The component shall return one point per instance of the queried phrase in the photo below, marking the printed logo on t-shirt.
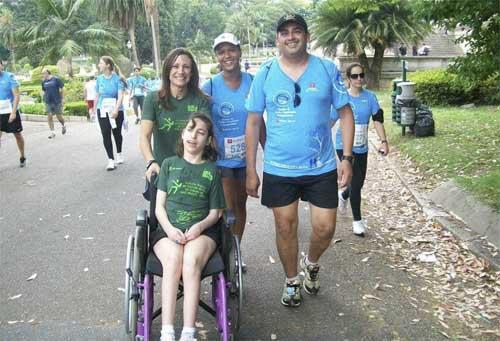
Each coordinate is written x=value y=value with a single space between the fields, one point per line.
x=312 y=88
x=168 y=123
x=207 y=175
x=192 y=108
x=226 y=109
x=338 y=84
x=282 y=98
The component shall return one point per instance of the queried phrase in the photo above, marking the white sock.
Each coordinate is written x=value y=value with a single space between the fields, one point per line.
x=308 y=262
x=167 y=332
x=188 y=332
x=293 y=279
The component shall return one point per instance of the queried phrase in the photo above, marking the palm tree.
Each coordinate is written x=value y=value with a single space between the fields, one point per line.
x=8 y=33
x=153 y=19
x=361 y=25
x=63 y=33
x=123 y=14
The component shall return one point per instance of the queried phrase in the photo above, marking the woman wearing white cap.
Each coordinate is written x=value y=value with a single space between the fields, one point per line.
x=228 y=91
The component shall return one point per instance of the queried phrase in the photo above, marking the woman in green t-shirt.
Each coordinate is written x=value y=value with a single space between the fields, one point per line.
x=189 y=204
x=166 y=111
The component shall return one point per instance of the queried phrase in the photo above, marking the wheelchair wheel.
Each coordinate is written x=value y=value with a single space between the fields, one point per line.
x=236 y=289
x=130 y=306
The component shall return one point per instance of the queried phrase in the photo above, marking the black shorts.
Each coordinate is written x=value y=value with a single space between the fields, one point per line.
x=212 y=232
x=137 y=102
x=239 y=173
x=14 y=127
x=319 y=190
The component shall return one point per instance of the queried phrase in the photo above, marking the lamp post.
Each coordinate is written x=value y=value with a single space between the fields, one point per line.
x=129 y=47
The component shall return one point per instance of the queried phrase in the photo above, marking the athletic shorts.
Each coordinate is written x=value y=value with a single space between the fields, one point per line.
x=239 y=173
x=53 y=108
x=90 y=104
x=138 y=102
x=14 y=127
x=212 y=232
x=319 y=190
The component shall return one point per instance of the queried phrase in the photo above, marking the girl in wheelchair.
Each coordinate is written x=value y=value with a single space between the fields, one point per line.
x=189 y=204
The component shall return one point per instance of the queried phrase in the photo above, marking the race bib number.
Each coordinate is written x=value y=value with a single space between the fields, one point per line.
x=112 y=121
x=5 y=107
x=108 y=105
x=235 y=147
x=360 y=135
x=138 y=92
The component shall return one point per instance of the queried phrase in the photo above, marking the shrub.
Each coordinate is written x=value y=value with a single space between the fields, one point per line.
x=148 y=73
x=73 y=90
x=214 y=69
x=31 y=90
x=442 y=87
x=36 y=73
x=78 y=108
x=33 y=109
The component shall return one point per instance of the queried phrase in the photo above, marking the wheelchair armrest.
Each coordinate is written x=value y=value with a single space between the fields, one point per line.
x=228 y=218
x=141 y=218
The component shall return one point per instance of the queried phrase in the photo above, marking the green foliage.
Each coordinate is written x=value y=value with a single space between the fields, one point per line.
x=36 y=73
x=482 y=22
x=76 y=108
x=73 y=91
x=214 y=70
x=148 y=72
x=442 y=87
x=34 y=91
x=33 y=109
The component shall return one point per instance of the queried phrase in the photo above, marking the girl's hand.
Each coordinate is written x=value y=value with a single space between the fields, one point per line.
x=193 y=233
x=383 y=149
x=176 y=236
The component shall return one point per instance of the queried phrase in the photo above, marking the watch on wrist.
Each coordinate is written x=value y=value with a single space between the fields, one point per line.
x=150 y=162
x=349 y=158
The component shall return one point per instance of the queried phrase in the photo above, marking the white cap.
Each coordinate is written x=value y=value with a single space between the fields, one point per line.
x=226 y=38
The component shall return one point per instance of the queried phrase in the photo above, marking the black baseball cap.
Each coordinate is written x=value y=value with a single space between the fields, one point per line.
x=291 y=17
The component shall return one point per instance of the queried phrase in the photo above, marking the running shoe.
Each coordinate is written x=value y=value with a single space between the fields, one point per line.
x=119 y=159
x=167 y=337
x=111 y=165
x=291 y=294
x=311 y=277
x=359 y=228
x=22 y=162
x=52 y=135
x=342 y=204
x=63 y=130
x=137 y=120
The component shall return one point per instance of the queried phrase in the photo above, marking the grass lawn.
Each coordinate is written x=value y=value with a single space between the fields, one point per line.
x=466 y=147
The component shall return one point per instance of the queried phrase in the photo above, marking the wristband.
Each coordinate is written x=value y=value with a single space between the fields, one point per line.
x=348 y=158
x=150 y=162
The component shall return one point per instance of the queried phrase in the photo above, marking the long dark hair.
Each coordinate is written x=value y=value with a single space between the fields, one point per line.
x=164 y=95
x=113 y=67
x=210 y=151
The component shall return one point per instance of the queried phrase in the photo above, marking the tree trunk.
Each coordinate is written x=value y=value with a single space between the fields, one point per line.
x=13 y=56
x=70 y=66
x=373 y=81
x=131 y=35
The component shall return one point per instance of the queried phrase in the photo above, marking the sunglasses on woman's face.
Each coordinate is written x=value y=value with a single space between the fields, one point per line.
x=356 y=75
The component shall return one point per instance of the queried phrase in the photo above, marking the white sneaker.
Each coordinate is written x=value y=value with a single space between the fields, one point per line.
x=52 y=135
x=111 y=165
x=359 y=228
x=342 y=204
x=119 y=159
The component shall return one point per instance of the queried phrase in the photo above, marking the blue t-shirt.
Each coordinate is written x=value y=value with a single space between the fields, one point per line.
x=8 y=82
x=137 y=85
x=108 y=88
x=299 y=140
x=363 y=106
x=51 y=90
x=229 y=115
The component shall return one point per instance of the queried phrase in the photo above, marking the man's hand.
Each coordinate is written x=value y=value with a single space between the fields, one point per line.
x=383 y=149
x=345 y=173
x=253 y=184
x=154 y=168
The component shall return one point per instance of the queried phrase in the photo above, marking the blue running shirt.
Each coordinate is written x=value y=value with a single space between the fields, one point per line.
x=363 y=106
x=299 y=140
x=137 y=85
x=51 y=90
x=230 y=117
x=108 y=88
x=8 y=82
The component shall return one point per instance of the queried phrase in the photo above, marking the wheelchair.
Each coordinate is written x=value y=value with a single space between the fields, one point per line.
x=224 y=268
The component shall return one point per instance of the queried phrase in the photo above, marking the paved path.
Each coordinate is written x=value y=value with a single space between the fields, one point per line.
x=66 y=219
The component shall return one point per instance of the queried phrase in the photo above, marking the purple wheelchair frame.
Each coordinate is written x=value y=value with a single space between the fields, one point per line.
x=223 y=282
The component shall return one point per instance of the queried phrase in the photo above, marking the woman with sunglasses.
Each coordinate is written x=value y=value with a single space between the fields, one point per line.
x=364 y=105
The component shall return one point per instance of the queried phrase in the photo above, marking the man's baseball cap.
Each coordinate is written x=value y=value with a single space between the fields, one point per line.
x=226 y=38
x=291 y=17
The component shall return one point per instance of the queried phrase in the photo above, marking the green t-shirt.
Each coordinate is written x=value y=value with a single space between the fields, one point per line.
x=192 y=190
x=169 y=124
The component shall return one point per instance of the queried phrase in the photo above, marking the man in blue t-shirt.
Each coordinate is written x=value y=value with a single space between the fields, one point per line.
x=53 y=97
x=10 y=120
x=298 y=91
x=137 y=86
x=228 y=91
